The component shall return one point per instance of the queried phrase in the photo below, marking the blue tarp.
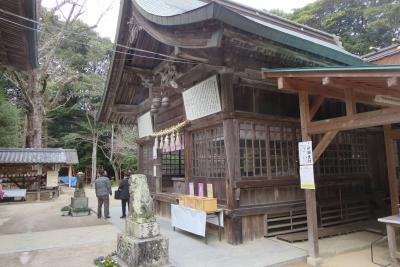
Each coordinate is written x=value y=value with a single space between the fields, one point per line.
x=65 y=180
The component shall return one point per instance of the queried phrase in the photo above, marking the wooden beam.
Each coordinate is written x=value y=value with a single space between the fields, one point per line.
x=124 y=108
x=391 y=168
x=350 y=102
x=199 y=73
x=316 y=105
x=392 y=82
x=285 y=84
x=323 y=144
x=356 y=121
x=311 y=203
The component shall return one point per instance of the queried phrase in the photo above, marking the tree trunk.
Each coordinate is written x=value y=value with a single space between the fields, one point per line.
x=45 y=133
x=94 y=159
x=116 y=171
x=36 y=114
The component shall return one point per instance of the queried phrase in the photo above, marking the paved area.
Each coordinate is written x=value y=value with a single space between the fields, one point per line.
x=342 y=243
x=187 y=250
x=35 y=234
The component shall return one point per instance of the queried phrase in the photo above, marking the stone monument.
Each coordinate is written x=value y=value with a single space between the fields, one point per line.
x=80 y=203
x=142 y=245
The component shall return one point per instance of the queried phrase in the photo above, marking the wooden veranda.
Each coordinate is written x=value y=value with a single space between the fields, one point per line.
x=372 y=98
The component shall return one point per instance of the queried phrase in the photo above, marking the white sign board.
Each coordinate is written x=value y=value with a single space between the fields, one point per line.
x=52 y=179
x=202 y=99
x=307 y=177
x=145 y=125
x=305 y=153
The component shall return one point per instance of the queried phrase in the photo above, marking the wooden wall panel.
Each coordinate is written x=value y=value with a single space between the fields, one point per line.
x=253 y=227
x=269 y=195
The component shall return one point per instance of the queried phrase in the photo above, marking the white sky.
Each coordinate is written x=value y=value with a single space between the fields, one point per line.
x=108 y=24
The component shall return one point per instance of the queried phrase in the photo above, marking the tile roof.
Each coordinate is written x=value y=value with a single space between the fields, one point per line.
x=38 y=156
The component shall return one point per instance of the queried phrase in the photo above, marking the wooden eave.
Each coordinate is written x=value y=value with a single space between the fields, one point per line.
x=352 y=85
x=18 y=44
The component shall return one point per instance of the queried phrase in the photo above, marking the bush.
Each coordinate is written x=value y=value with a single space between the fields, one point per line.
x=108 y=261
x=66 y=208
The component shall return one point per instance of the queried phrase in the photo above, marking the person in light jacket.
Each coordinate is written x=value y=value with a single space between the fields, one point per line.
x=124 y=195
x=103 y=189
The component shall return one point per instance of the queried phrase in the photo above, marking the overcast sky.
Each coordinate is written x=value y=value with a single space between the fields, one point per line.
x=108 y=24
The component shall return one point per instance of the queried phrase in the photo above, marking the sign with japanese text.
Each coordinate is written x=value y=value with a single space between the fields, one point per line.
x=306 y=165
x=305 y=153
x=145 y=125
x=202 y=99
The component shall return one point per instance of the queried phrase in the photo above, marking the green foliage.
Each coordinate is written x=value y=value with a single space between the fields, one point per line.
x=108 y=261
x=10 y=120
x=360 y=24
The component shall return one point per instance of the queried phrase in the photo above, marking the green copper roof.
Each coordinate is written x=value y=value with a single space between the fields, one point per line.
x=180 y=12
x=350 y=68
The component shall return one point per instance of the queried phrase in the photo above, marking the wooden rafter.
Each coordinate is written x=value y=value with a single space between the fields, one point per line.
x=316 y=105
x=323 y=144
x=356 y=121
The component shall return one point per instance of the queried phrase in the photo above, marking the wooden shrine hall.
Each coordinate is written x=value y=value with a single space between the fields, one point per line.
x=190 y=78
x=18 y=44
x=371 y=98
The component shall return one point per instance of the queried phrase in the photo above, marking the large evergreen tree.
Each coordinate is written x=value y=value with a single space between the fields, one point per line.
x=360 y=24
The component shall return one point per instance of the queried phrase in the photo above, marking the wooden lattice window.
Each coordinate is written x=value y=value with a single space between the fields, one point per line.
x=253 y=147
x=208 y=153
x=283 y=150
x=173 y=163
x=268 y=150
x=347 y=154
x=147 y=159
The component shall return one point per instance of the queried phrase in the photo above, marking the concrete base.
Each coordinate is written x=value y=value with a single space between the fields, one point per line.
x=79 y=202
x=142 y=252
x=142 y=230
x=314 y=261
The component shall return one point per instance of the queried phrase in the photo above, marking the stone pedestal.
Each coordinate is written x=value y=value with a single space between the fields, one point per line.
x=143 y=252
x=79 y=203
x=142 y=245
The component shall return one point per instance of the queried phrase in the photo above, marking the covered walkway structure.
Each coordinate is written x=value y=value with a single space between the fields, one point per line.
x=371 y=95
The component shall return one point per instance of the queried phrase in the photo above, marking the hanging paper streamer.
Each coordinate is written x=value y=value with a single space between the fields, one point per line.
x=166 y=144
x=156 y=142
x=172 y=142
x=155 y=147
x=178 y=145
x=161 y=143
x=182 y=142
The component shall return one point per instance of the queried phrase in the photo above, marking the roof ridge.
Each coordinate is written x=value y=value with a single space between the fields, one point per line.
x=280 y=21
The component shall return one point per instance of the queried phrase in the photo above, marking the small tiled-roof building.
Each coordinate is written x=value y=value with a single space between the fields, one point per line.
x=389 y=55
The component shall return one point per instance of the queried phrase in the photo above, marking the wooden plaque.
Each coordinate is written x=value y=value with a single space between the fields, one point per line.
x=202 y=99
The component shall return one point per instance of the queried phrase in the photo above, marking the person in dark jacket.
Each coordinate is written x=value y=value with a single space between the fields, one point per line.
x=103 y=189
x=124 y=195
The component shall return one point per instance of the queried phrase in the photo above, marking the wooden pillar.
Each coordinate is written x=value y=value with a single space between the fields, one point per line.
x=69 y=175
x=391 y=169
x=311 y=203
x=158 y=170
x=233 y=229
x=188 y=158
x=140 y=159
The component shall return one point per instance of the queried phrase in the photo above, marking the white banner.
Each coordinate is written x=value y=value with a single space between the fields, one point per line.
x=190 y=220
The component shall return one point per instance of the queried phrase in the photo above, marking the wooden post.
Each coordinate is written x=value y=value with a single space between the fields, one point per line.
x=69 y=175
x=311 y=205
x=188 y=158
x=233 y=224
x=391 y=169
